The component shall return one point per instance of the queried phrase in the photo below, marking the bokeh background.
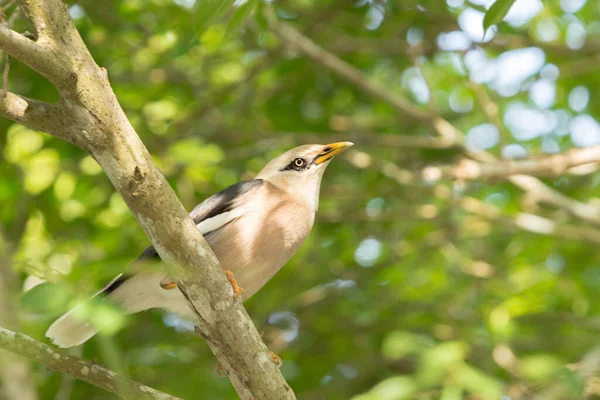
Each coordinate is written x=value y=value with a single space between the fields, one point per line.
x=407 y=288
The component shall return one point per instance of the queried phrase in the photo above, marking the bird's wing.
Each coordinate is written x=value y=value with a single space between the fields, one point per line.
x=209 y=216
x=216 y=211
x=222 y=208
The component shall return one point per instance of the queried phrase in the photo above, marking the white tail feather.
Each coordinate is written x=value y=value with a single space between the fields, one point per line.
x=67 y=331
x=138 y=293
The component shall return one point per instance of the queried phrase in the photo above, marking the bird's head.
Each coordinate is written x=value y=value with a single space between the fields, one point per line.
x=299 y=170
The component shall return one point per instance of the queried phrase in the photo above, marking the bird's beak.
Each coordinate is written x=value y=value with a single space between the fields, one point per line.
x=331 y=150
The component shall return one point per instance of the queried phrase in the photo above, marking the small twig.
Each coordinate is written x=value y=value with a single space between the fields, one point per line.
x=14 y=16
x=416 y=57
x=8 y=5
x=5 y=77
x=530 y=222
x=490 y=109
x=310 y=49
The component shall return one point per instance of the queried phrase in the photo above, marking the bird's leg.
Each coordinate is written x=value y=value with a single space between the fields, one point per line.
x=220 y=370
x=237 y=289
x=276 y=359
x=167 y=283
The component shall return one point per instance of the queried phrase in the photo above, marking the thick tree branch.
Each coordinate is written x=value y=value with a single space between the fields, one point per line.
x=86 y=371
x=96 y=123
x=36 y=54
x=33 y=113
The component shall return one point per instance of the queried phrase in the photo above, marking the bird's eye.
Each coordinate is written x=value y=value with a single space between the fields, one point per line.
x=300 y=162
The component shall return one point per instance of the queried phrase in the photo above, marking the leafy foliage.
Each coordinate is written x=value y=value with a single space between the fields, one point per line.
x=405 y=288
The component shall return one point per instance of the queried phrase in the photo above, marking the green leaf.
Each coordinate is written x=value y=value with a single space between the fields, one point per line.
x=209 y=11
x=46 y=298
x=261 y=21
x=107 y=317
x=240 y=16
x=478 y=382
x=395 y=388
x=541 y=367
x=496 y=13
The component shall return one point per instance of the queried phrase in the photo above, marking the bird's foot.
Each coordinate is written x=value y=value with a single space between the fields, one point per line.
x=276 y=359
x=168 y=284
x=237 y=289
x=220 y=370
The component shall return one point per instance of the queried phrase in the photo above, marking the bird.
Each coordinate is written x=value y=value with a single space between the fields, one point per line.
x=253 y=227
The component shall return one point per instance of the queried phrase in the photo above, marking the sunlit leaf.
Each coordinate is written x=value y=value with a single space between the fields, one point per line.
x=496 y=13
x=437 y=361
x=209 y=11
x=540 y=367
x=46 y=298
x=399 y=344
x=104 y=315
x=240 y=16
x=396 y=388
x=478 y=382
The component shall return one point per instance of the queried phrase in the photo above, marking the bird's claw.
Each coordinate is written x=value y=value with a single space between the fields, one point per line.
x=168 y=283
x=220 y=370
x=237 y=289
x=276 y=359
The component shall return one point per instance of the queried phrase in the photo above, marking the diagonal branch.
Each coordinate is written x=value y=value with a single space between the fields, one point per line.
x=313 y=51
x=86 y=371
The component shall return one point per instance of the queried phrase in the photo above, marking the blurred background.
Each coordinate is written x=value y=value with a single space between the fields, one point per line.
x=411 y=285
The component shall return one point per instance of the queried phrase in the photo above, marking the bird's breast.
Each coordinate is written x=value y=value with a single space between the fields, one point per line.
x=258 y=243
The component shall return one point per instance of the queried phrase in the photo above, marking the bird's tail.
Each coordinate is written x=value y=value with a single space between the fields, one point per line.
x=133 y=294
x=65 y=331
x=68 y=331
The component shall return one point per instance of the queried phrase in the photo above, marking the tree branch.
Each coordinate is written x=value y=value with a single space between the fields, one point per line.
x=33 y=113
x=313 y=51
x=86 y=371
x=36 y=54
x=531 y=222
x=553 y=165
x=94 y=121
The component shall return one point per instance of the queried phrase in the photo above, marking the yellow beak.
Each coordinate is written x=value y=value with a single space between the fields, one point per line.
x=332 y=150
